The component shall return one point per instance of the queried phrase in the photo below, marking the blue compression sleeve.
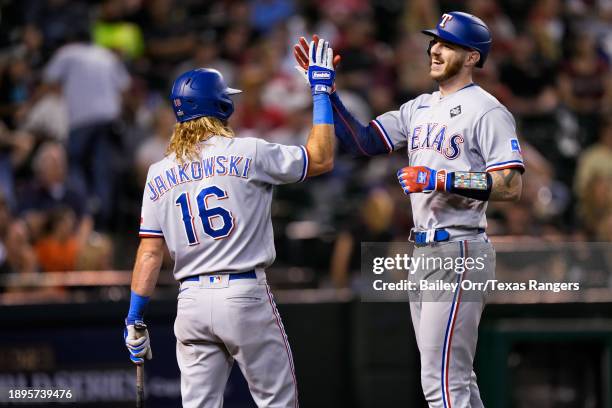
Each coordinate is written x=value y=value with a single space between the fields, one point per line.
x=322 y=110
x=137 y=307
x=354 y=137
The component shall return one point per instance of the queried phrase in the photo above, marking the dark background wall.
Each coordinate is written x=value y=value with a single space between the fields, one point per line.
x=347 y=354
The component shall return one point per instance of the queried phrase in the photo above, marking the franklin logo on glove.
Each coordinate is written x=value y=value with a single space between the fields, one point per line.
x=321 y=75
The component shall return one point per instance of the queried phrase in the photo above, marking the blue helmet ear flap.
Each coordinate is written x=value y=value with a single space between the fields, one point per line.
x=226 y=107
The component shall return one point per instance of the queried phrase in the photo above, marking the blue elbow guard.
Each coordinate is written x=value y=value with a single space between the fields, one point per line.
x=354 y=137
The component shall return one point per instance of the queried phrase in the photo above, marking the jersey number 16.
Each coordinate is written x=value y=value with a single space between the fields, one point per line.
x=207 y=215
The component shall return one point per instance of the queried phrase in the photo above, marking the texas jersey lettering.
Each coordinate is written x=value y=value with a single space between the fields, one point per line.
x=468 y=130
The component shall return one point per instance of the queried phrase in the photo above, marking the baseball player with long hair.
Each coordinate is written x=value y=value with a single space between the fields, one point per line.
x=463 y=152
x=209 y=201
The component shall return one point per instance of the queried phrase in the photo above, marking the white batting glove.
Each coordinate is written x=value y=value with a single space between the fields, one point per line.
x=301 y=52
x=137 y=341
x=321 y=73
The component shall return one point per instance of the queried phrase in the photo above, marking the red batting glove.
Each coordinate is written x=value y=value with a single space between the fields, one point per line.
x=421 y=179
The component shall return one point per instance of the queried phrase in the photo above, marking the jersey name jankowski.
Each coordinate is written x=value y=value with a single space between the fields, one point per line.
x=193 y=171
x=214 y=211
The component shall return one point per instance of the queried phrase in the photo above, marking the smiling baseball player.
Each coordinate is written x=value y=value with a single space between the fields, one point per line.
x=209 y=200
x=463 y=151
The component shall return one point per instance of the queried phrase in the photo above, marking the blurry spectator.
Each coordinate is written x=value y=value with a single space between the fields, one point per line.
x=593 y=183
x=266 y=14
x=14 y=149
x=235 y=42
x=546 y=197
x=48 y=118
x=112 y=31
x=57 y=249
x=546 y=25
x=372 y=223
x=206 y=54
x=419 y=14
x=65 y=247
x=15 y=87
x=358 y=55
x=531 y=95
x=487 y=78
x=31 y=47
x=50 y=190
x=604 y=229
x=96 y=253
x=312 y=19
x=530 y=79
x=411 y=61
x=16 y=253
x=585 y=84
x=518 y=220
x=502 y=29
x=168 y=37
x=341 y=12
x=294 y=101
x=56 y=20
x=153 y=149
x=92 y=80
x=255 y=118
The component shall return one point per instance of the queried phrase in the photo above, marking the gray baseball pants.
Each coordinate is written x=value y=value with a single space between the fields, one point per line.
x=446 y=322
x=220 y=321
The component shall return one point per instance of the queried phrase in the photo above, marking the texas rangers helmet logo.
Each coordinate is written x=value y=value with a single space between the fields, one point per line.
x=445 y=19
x=177 y=102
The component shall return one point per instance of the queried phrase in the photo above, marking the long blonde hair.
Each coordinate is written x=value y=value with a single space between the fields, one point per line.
x=187 y=136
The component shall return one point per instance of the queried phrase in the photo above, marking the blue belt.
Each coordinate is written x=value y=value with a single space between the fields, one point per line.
x=232 y=276
x=440 y=235
x=420 y=238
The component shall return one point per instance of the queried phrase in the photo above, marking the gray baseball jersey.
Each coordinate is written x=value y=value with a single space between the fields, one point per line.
x=214 y=212
x=468 y=130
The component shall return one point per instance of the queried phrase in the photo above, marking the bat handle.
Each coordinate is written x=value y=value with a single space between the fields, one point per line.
x=140 y=385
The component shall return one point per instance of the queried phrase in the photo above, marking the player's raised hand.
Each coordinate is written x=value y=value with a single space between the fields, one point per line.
x=321 y=72
x=421 y=179
x=137 y=341
x=301 y=50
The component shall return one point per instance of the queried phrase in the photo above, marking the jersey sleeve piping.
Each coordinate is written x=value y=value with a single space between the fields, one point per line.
x=143 y=232
x=361 y=149
x=511 y=164
x=305 y=166
x=382 y=133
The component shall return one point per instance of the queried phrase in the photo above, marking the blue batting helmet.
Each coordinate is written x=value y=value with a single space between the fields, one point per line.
x=202 y=92
x=466 y=30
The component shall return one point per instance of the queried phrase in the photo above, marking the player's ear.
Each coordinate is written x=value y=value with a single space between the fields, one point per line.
x=473 y=58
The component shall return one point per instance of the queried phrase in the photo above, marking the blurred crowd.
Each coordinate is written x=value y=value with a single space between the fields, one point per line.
x=84 y=111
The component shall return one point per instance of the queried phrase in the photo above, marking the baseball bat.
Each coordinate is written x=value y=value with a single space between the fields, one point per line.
x=140 y=397
x=140 y=386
